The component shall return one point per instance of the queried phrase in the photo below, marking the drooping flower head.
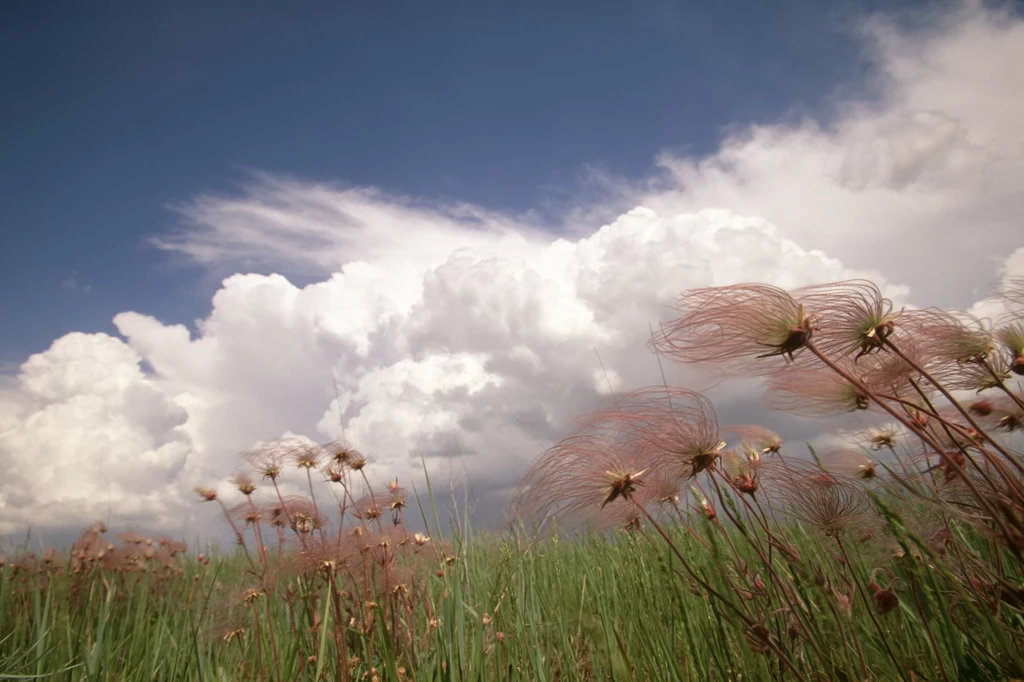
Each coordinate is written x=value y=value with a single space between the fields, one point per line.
x=306 y=455
x=884 y=437
x=763 y=440
x=853 y=317
x=830 y=502
x=734 y=326
x=581 y=476
x=1011 y=336
x=267 y=459
x=814 y=393
x=851 y=462
x=954 y=347
x=679 y=426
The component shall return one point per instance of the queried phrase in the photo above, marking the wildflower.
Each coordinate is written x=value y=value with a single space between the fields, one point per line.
x=795 y=630
x=582 y=474
x=981 y=407
x=420 y=539
x=814 y=393
x=885 y=599
x=853 y=317
x=302 y=515
x=1010 y=420
x=878 y=437
x=660 y=489
x=852 y=462
x=367 y=509
x=130 y=537
x=208 y=494
x=950 y=463
x=251 y=595
x=678 y=426
x=339 y=452
x=267 y=460
x=763 y=441
x=247 y=513
x=397 y=500
x=844 y=602
x=306 y=455
x=741 y=469
x=278 y=519
x=620 y=484
x=950 y=337
x=705 y=508
x=827 y=501
x=324 y=555
x=957 y=350
x=734 y=326
x=244 y=483
x=759 y=638
x=1012 y=338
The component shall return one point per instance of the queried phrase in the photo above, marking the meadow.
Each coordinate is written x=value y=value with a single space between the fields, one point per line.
x=652 y=544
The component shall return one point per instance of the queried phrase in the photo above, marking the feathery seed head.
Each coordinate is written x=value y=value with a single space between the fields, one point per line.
x=208 y=494
x=244 y=483
x=734 y=325
x=853 y=316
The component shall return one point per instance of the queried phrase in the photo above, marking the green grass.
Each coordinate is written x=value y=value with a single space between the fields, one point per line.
x=605 y=607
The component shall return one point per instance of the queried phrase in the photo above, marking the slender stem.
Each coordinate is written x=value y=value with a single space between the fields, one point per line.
x=953 y=401
x=928 y=628
x=946 y=426
x=238 y=535
x=711 y=590
x=863 y=593
x=1001 y=385
x=924 y=436
x=316 y=507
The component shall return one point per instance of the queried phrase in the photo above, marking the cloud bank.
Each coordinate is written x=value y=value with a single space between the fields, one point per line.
x=467 y=340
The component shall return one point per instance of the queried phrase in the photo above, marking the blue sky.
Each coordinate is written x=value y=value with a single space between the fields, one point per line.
x=113 y=112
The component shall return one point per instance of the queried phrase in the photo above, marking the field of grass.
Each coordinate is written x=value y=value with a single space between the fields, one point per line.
x=649 y=547
x=610 y=606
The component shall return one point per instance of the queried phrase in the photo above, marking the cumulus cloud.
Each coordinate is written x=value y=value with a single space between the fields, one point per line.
x=470 y=362
x=922 y=181
x=468 y=340
x=84 y=427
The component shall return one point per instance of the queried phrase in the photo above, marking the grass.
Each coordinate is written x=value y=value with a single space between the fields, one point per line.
x=897 y=560
x=599 y=607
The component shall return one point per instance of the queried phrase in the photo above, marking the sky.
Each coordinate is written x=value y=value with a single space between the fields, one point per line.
x=463 y=219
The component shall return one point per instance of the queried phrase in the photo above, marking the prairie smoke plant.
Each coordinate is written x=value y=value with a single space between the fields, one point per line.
x=832 y=503
x=267 y=460
x=851 y=463
x=762 y=440
x=582 y=474
x=1011 y=337
x=734 y=326
x=814 y=393
x=678 y=428
x=853 y=317
x=948 y=343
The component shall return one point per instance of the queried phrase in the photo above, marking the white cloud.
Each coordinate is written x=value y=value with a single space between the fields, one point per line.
x=485 y=353
x=922 y=182
x=471 y=339
x=83 y=428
